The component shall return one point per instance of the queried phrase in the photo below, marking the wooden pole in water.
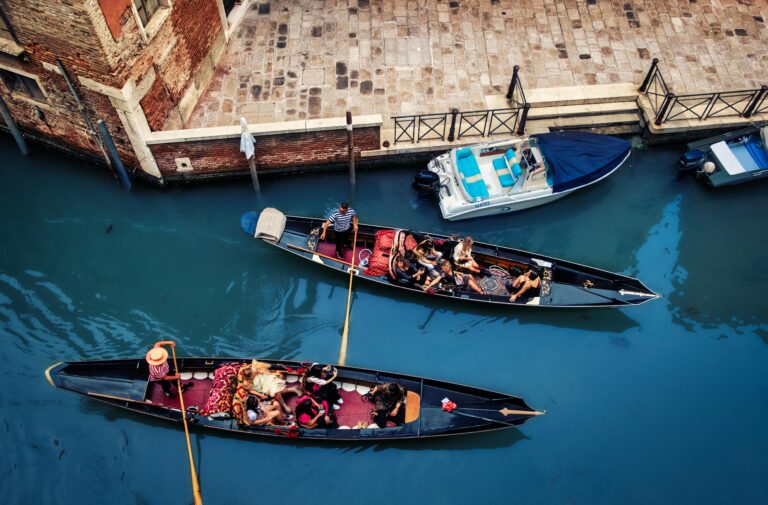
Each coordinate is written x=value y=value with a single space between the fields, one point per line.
x=13 y=128
x=351 y=151
x=345 y=333
x=254 y=174
x=198 y=499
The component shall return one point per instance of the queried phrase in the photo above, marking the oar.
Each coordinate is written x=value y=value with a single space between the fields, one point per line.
x=198 y=499
x=345 y=334
x=337 y=260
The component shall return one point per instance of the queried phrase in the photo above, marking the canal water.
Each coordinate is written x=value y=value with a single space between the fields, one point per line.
x=661 y=403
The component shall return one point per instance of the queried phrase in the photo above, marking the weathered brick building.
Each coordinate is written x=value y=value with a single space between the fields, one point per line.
x=136 y=64
x=140 y=66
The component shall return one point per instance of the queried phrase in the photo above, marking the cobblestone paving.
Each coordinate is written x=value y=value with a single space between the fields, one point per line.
x=304 y=59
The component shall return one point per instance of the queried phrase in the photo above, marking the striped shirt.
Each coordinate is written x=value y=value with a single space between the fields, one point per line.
x=341 y=222
x=157 y=372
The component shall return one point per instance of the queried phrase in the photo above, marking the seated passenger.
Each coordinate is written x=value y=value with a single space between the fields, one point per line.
x=313 y=414
x=459 y=280
x=522 y=284
x=427 y=256
x=388 y=403
x=462 y=256
x=259 y=413
x=267 y=383
x=318 y=383
x=406 y=274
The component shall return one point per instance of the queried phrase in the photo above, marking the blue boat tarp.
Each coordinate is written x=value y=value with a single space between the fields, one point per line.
x=578 y=158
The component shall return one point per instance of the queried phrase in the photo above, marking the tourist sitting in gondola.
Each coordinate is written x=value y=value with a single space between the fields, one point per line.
x=524 y=285
x=450 y=279
x=258 y=413
x=406 y=274
x=271 y=384
x=388 y=403
x=428 y=257
x=462 y=256
x=318 y=383
x=311 y=413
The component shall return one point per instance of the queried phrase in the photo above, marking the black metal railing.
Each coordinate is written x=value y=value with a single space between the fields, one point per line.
x=667 y=106
x=478 y=123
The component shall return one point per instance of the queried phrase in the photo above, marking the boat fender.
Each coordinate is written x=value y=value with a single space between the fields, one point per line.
x=708 y=167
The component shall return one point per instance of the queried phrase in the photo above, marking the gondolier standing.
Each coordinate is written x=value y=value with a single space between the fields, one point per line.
x=159 y=369
x=343 y=219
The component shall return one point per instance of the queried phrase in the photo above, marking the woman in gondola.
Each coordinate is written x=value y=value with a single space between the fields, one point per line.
x=459 y=280
x=388 y=403
x=524 y=284
x=313 y=414
x=318 y=382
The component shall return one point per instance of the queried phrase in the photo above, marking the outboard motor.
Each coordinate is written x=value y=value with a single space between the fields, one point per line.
x=691 y=161
x=427 y=183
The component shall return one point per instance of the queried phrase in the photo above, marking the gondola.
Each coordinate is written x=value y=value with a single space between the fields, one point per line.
x=562 y=283
x=124 y=383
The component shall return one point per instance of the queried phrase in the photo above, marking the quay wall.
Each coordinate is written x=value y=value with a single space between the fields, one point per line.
x=279 y=147
x=134 y=77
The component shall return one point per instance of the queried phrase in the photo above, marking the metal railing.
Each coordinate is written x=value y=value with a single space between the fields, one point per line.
x=667 y=106
x=481 y=123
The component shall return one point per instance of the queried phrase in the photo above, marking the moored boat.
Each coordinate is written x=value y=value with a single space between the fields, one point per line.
x=125 y=383
x=510 y=175
x=562 y=283
x=730 y=158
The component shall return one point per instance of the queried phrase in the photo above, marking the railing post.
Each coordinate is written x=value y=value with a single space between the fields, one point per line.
x=668 y=99
x=513 y=82
x=644 y=86
x=521 y=126
x=753 y=104
x=452 y=130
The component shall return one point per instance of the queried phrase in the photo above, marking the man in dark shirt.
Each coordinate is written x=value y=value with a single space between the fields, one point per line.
x=405 y=274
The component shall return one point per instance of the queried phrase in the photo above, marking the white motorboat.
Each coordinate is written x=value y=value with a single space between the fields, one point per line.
x=505 y=176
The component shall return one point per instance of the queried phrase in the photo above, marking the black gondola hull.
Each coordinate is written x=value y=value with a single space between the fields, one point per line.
x=124 y=383
x=565 y=284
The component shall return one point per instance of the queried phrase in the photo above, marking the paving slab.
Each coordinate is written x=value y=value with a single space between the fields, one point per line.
x=304 y=59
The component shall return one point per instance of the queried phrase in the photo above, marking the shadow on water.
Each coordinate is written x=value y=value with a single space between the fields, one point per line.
x=496 y=439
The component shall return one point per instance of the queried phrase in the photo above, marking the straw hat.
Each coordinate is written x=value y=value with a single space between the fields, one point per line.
x=157 y=356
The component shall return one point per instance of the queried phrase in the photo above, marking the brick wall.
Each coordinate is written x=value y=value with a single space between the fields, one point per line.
x=273 y=152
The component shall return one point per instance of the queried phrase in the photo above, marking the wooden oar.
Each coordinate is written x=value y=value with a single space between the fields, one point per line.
x=337 y=260
x=345 y=334
x=198 y=499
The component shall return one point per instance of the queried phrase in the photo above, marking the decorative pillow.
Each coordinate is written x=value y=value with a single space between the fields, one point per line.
x=385 y=239
x=378 y=263
x=220 y=396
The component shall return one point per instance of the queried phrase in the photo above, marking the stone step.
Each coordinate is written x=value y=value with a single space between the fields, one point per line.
x=571 y=95
x=582 y=122
x=595 y=109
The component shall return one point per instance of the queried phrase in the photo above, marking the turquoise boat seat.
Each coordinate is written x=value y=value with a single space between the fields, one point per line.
x=507 y=169
x=470 y=174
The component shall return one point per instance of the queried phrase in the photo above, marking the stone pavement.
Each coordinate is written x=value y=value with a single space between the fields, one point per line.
x=307 y=59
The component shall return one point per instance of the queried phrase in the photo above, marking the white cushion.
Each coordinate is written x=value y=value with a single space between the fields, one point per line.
x=291 y=378
x=200 y=375
x=363 y=390
x=185 y=376
x=347 y=386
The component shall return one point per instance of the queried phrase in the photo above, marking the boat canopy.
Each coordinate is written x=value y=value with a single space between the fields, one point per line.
x=578 y=158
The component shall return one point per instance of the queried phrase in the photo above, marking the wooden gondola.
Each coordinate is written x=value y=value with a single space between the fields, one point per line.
x=124 y=383
x=562 y=283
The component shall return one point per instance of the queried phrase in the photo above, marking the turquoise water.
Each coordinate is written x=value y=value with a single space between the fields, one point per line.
x=662 y=403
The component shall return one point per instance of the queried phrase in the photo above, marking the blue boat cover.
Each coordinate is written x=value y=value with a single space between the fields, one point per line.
x=578 y=158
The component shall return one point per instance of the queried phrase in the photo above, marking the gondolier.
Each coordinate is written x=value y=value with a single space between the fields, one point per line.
x=343 y=219
x=159 y=369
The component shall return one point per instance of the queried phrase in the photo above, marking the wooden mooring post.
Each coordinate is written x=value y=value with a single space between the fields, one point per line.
x=351 y=150
x=13 y=128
